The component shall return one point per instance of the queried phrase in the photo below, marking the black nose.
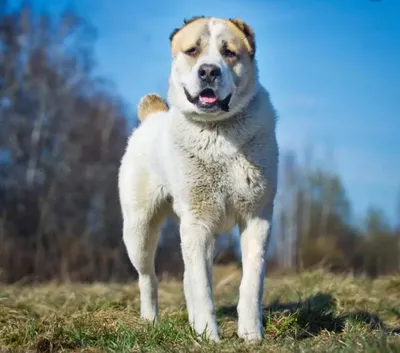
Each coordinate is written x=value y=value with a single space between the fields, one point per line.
x=209 y=72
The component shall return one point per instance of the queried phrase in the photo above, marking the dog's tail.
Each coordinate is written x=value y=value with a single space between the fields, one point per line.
x=150 y=104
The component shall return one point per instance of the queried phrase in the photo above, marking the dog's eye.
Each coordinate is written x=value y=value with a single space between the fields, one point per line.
x=191 y=51
x=229 y=53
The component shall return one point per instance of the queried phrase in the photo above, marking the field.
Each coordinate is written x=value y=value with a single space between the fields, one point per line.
x=311 y=312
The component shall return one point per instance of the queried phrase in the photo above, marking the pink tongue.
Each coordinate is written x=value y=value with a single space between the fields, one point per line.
x=207 y=100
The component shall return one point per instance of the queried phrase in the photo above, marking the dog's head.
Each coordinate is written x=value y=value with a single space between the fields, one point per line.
x=214 y=73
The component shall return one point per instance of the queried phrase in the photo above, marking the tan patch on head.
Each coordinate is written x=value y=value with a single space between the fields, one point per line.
x=189 y=36
x=244 y=34
x=185 y=22
x=192 y=37
x=247 y=34
x=151 y=103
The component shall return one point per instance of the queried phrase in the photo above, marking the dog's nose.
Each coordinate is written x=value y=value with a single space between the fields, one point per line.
x=209 y=72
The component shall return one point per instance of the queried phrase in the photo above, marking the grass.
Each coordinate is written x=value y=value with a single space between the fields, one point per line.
x=311 y=312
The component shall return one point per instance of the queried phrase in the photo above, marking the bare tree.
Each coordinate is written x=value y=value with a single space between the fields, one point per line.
x=63 y=133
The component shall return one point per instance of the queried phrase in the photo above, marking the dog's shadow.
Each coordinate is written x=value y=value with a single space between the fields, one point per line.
x=310 y=317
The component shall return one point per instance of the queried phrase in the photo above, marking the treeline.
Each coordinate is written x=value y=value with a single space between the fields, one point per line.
x=63 y=130
x=315 y=227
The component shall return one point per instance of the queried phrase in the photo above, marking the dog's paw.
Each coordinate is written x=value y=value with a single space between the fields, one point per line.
x=209 y=331
x=149 y=315
x=149 y=104
x=214 y=337
x=211 y=335
x=250 y=332
x=251 y=337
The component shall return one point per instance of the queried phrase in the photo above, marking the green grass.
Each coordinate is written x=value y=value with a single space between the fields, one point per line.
x=312 y=312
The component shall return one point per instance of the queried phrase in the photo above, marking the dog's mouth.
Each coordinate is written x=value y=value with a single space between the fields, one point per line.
x=208 y=101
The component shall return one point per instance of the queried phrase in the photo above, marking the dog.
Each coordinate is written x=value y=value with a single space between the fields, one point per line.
x=210 y=157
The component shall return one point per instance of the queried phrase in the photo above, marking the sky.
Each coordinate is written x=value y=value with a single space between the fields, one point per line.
x=332 y=68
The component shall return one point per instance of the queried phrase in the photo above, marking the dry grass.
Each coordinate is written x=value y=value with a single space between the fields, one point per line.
x=312 y=312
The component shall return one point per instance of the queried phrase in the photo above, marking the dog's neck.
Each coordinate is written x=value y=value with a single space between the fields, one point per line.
x=223 y=137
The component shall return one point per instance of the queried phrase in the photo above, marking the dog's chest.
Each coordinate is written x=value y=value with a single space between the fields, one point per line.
x=223 y=189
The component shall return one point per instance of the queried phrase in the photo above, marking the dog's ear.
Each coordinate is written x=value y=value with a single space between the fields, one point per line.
x=185 y=23
x=248 y=33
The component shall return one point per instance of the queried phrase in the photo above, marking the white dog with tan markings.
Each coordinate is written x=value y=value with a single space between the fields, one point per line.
x=211 y=158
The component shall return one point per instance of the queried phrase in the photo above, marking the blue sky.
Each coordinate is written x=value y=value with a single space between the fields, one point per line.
x=332 y=68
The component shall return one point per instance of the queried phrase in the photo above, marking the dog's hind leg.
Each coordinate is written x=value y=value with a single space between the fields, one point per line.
x=144 y=207
x=143 y=213
x=141 y=239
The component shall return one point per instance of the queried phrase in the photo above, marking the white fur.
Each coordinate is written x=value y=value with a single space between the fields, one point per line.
x=218 y=175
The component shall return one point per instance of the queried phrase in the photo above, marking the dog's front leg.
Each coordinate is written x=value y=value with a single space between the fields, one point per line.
x=255 y=232
x=198 y=250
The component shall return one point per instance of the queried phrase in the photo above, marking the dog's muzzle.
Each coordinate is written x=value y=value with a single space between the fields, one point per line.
x=208 y=102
